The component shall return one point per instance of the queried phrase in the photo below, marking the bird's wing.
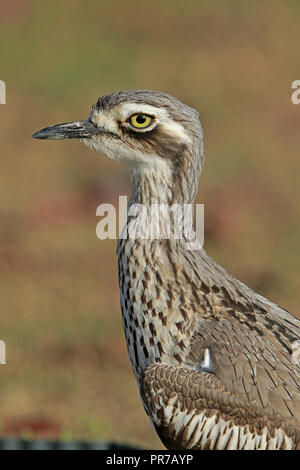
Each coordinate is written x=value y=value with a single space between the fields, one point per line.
x=257 y=368
x=239 y=388
x=195 y=410
x=253 y=344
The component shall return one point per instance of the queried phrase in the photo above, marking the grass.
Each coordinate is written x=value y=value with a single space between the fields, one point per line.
x=67 y=372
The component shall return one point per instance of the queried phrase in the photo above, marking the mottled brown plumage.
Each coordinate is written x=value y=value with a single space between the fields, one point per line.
x=217 y=364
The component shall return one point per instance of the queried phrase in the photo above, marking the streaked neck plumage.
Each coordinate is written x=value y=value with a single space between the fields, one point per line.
x=142 y=261
x=165 y=180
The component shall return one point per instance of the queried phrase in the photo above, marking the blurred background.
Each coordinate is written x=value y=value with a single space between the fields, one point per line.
x=68 y=374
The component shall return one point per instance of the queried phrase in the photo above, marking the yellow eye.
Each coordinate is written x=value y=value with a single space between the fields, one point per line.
x=141 y=121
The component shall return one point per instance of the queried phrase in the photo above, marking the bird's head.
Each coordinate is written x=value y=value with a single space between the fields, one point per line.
x=151 y=131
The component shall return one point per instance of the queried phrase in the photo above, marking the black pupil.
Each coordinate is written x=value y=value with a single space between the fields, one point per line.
x=141 y=119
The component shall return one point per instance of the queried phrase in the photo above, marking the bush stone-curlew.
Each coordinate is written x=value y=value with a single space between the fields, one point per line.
x=217 y=364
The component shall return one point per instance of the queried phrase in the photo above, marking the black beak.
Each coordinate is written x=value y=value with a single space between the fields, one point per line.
x=68 y=130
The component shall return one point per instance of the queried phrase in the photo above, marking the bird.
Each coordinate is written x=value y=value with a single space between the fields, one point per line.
x=217 y=364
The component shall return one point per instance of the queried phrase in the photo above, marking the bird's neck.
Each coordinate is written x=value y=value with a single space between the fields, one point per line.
x=144 y=260
x=162 y=184
x=160 y=206
x=150 y=186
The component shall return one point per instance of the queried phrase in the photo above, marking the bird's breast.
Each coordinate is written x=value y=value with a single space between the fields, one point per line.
x=156 y=323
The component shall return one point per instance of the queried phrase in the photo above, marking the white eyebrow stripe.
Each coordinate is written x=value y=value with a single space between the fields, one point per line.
x=128 y=109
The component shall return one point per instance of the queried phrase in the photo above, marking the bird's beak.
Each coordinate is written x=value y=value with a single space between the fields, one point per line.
x=68 y=130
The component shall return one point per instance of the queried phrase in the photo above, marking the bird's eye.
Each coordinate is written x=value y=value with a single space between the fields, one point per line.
x=141 y=121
